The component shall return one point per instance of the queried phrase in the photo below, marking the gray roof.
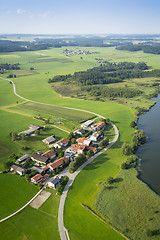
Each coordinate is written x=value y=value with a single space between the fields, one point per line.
x=55 y=181
x=17 y=168
x=39 y=158
x=33 y=126
x=50 y=139
x=23 y=158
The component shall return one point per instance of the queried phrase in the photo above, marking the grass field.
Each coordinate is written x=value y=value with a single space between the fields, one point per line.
x=130 y=205
x=18 y=193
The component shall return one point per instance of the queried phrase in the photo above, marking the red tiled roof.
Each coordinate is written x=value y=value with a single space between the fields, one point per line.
x=37 y=177
x=45 y=168
x=92 y=149
x=57 y=163
x=81 y=140
x=46 y=176
x=64 y=140
x=49 y=153
x=78 y=147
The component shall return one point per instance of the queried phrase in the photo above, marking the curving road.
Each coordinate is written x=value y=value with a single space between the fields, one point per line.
x=62 y=230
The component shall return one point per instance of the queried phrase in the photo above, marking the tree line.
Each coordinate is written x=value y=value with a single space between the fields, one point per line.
x=105 y=74
x=146 y=48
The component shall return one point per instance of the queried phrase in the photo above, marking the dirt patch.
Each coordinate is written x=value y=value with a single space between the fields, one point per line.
x=40 y=54
x=40 y=199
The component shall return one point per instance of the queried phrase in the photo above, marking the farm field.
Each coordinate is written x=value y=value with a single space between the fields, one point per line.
x=15 y=196
x=87 y=184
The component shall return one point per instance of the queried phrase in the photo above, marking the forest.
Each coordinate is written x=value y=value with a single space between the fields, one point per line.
x=146 y=48
x=106 y=73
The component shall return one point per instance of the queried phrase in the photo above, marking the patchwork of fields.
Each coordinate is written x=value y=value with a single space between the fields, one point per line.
x=82 y=224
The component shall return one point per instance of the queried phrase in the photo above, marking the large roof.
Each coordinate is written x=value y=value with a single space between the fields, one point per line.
x=78 y=147
x=39 y=158
x=49 y=153
x=37 y=177
x=57 y=163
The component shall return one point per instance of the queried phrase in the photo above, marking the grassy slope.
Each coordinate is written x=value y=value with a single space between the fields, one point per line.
x=124 y=206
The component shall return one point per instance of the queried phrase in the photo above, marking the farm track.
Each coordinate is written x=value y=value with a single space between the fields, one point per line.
x=62 y=230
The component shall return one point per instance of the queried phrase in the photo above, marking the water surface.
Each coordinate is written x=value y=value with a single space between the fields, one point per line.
x=149 y=153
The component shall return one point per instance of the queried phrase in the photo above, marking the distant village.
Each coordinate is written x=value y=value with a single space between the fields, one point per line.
x=43 y=168
x=68 y=52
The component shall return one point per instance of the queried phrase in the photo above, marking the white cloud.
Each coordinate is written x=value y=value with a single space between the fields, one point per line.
x=45 y=14
x=20 y=11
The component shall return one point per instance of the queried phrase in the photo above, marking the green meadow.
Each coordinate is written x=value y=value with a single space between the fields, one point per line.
x=80 y=222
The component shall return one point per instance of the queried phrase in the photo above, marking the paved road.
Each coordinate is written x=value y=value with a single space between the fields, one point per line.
x=62 y=230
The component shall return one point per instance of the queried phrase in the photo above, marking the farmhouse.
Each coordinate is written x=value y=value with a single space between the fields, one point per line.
x=39 y=159
x=23 y=158
x=98 y=126
x=49 y=140
x=49 y=154
x=17 y=169
x=31 y=130
x=95 y=136
x=54 y=183
x=84 y=141
x=57 y=163
x=78 y=148
x=92 y=149
x=61 y=143
x=37 y=179
x=79 y=131
x=87 y=124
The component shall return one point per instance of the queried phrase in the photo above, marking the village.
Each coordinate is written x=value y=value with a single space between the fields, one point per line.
x=69 y=52
x=43 y=169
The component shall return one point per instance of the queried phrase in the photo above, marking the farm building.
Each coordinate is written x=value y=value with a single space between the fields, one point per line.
x=95 y=136
x=61 y=143
x=54 y=183
x=23 y=158
x=79 y=131
x=39 y=159
x=49 y=140
x=78 y=148
x=87 y=124
x=17 y=169
x=37 y=179
x=31 y=130
x=49 y=154
x=84 y=141
x=98 y=126
x=57 y=163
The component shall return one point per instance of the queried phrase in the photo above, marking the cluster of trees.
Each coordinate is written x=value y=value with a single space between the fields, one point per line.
x=9 y=66
x=77 y=162
x=130 y=163
x=105 y=74
x=11 y=76
x=112 y=92
x=139 y=138
x=146 y=48
x=104 y=142
x=61 y=186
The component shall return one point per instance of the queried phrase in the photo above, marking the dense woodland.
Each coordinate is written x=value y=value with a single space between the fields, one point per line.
x=146 y=48
x=105 y=74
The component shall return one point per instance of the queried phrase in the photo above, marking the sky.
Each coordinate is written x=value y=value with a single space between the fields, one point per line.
x=80 y=16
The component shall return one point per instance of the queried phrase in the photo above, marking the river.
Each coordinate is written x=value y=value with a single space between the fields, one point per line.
x=149 y=153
